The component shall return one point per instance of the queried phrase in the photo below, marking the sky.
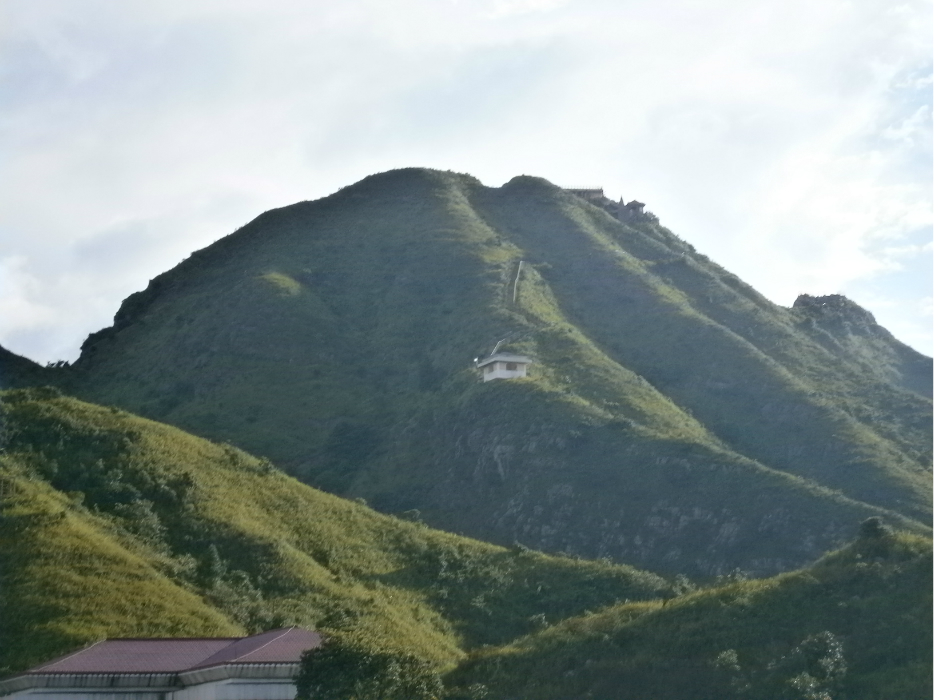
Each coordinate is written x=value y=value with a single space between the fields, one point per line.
x=788 y=141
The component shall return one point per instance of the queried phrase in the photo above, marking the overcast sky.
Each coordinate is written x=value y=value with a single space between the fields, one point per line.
x=788 y=140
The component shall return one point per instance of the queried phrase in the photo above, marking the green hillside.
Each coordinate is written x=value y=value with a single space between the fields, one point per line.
x=674 y=418
x=113 y=525
x=855 y=625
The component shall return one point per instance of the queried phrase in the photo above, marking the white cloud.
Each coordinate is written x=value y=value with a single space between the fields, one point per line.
x=18 y=290
x=505 y=8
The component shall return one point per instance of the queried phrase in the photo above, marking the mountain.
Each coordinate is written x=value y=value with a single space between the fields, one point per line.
x=854 y=625
x=113 y=525
x=674 y=418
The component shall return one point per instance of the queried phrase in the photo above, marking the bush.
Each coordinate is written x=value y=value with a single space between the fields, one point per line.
x=346 y=668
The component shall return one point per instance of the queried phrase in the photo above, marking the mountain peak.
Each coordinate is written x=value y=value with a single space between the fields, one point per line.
x=335 y=337
x=407 y=181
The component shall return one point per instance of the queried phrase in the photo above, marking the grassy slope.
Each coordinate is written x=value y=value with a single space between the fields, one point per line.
x=668 y=398
x=17 y=371
x=69 y=577
x=568 y=478
x=115 y=525
x=739 y=640
x=720 y=350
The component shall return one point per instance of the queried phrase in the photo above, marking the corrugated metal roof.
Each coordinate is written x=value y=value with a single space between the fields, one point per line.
x=275 y=646
x=176 y=655
x=137 y=656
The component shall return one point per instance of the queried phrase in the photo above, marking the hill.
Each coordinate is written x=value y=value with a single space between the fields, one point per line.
x=17 y=371
x=113 y=525
x=855 y=625
x=674 y=419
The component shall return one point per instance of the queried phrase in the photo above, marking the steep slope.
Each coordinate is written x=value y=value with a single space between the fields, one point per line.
x=68 y=577
x=675 y=418
x=17 y=371
x=852 y=332
x=716 y=347
x=855 y=625
x=112 y=525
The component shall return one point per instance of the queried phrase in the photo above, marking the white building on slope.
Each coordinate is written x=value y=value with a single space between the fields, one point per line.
x=503 y=365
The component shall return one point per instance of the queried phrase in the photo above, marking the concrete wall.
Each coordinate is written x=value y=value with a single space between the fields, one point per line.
x=227 y=689
x=497 y=370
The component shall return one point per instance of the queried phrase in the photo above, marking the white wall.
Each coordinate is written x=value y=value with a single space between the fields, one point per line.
x=500 y=372
x=237 y=689
x=227 y=689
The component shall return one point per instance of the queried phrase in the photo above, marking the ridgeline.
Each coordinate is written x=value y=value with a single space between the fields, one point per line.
x=674 y=418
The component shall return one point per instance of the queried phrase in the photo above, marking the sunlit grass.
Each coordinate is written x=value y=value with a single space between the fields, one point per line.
x=116 y=525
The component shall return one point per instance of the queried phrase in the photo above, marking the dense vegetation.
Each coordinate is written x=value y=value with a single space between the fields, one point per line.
x=675 y=419
x=113 y=525
x=855 y=625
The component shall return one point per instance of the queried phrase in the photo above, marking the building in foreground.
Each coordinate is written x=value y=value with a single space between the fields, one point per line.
x=259 y=667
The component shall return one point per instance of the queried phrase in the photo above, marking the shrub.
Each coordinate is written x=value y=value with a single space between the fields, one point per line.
x=346 y=668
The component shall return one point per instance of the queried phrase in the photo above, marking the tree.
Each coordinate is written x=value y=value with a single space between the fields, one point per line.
x=874 y=529
x=812 y=670
x=347 y=668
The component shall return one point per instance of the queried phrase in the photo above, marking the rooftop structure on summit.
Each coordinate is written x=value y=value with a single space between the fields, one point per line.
x=504 y=365
x=258 y=667
x=623 y=211
x=588 y=193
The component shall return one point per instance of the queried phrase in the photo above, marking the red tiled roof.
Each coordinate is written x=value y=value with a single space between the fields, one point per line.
x=176 y=655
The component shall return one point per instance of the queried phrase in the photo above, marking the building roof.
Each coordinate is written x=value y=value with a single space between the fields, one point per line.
x=275 y=646
x=505 y=357
x=177 y=655
x=136 y=656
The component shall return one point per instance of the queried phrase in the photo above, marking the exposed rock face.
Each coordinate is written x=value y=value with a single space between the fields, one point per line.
x=836 y=311
x=846 y=328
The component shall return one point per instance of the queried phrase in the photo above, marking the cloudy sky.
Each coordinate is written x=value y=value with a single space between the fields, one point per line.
x=790 y=141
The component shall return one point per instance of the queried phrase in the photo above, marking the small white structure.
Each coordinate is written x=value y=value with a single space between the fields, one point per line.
x=504 y=365
x=259 y=667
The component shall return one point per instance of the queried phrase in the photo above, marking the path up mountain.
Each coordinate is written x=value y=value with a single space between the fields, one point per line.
x=674 y=418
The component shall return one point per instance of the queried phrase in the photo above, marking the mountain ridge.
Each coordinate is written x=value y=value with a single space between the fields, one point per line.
x=335 y=337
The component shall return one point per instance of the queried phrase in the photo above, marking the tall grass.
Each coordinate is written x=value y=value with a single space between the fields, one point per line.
x=114 y=525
